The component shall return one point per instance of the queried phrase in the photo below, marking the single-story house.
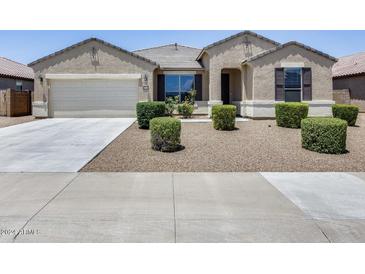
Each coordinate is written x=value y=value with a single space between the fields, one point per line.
x=349 y=79
x=15 y=76
x=97 y=79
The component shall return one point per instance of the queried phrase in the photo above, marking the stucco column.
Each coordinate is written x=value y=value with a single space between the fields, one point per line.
x=243 y=91
x=214 y=89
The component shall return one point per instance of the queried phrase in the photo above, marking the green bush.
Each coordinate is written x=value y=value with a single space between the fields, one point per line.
x=346 y=112
x=185 y=109
x=325 y=135
x=147 y=111
x=171 y=104
x=165 y=134
x=224 y=117
x=290 y=114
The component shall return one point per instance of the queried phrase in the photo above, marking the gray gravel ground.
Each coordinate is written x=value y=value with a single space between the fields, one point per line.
x=254 y=146
x=10 y=121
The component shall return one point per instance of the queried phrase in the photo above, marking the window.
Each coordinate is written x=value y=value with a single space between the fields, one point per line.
x=293 y=84
x=178 y=85
x=18 y=85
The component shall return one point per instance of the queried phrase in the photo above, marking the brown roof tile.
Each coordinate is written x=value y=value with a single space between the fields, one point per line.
x=172 y=56
x=349 y=65
x=14 y=69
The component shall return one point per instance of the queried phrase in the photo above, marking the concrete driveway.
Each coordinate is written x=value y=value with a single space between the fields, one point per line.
x=182 y=207
x=56 y=145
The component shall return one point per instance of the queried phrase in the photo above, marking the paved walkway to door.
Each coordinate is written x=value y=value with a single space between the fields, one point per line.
x=182 y=207
x=57 y=145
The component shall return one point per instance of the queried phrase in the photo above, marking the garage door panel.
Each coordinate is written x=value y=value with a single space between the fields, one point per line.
x=93 y=98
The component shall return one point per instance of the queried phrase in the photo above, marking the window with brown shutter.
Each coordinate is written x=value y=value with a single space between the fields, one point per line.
x=307 y=84
x=279 y=84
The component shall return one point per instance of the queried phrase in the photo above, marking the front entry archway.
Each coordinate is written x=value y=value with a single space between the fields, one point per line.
x=231 y=87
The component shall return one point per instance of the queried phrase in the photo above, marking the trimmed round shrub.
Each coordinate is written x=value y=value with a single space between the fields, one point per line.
x=165 y=134
x=290 y=114
x=185 y=109
x=147 y=111
x=324 y=135
x=346 y=112
x=224 y=117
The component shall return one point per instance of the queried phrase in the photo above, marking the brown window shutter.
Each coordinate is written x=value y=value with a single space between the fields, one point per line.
x=160 y=87
x=279 y=84
x=198 y=87
x=307 y=84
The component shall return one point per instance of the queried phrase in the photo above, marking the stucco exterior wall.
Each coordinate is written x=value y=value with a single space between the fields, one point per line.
x=78 y=60
x=264 y=72
x=341 y=96
x=205 y=62
x=356 y=86
x=230 y=54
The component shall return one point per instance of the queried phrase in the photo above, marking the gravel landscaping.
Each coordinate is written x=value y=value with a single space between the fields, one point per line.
x=10 y=121
x=254 y=146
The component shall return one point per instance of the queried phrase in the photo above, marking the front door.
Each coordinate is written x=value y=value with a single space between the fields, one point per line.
x=225 y=88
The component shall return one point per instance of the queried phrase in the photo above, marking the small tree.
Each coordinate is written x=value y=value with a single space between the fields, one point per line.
x=171 y=104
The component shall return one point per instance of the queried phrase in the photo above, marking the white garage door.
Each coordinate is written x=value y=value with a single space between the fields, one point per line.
x=93 y=98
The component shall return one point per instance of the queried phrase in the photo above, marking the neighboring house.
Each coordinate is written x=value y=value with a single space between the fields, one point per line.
x=349 y=74
x=15 y=76
x=96 y=79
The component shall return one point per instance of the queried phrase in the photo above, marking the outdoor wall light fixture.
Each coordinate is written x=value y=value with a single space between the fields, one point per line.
x=145 y=78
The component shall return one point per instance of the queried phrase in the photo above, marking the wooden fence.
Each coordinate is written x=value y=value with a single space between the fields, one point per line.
x=15 y=103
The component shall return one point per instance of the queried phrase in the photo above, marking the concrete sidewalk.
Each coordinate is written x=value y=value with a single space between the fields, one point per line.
x=182 y=207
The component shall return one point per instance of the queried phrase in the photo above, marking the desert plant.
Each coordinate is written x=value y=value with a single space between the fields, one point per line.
x=325 y=135
x=147 y=111
x=290 y=114
x=185 y=109
x=165 y=134
x=190 y=97
x=346 y=112
x=171 y=104
x=224 y=117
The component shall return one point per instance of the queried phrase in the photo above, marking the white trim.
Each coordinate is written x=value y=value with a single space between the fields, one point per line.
x=320 y=102
x=266 y=108
x=270 y=102
x=69 y=76
x=292 y=64
x=40 y=109
x=180 y=72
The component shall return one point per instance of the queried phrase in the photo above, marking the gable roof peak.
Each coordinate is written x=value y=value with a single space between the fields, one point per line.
x=87 y=41
x=239 y=34
x=290 y=43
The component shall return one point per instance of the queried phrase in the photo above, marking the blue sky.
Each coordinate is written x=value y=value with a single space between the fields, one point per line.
x=27 y=46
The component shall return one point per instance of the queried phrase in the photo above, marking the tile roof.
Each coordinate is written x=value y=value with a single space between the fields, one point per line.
x=172 y=56
x=14 y=69
x=291 y=43
x=242 y=33
x=87 y=41
x=349 y=65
